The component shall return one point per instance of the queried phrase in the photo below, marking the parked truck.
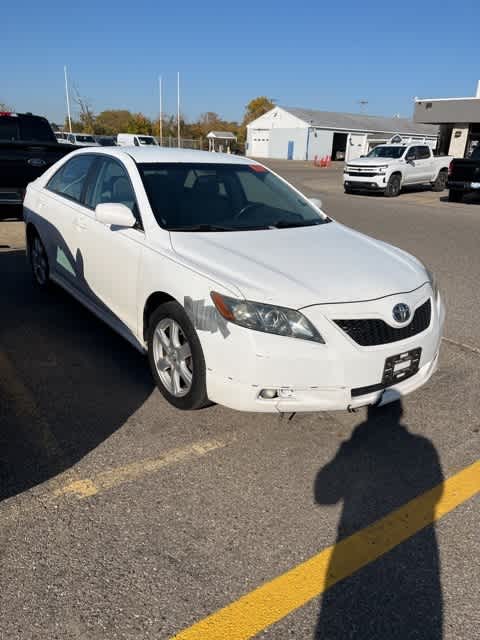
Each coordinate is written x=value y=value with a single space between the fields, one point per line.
x=389 y=167
x=28 y=147
x=464 y=176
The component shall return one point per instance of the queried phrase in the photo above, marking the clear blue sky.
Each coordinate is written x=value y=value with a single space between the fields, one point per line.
x=322 y=54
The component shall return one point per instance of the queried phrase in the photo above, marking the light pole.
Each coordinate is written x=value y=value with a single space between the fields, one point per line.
x=68 y=100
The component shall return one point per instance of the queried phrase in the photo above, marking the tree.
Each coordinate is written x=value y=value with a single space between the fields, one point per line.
x=87 y=117
x=113 y=121
x=256 y=108
x=140 y=124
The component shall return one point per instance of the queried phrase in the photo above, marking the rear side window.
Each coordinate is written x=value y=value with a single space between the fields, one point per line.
x=29 y=128
x=69 y=180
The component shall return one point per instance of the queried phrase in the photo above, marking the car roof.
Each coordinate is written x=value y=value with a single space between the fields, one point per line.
x=162 y=154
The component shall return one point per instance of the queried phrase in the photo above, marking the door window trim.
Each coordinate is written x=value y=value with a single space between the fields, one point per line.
x=139 y=226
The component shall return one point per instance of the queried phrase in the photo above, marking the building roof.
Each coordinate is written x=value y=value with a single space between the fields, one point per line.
x=223 y=135
x=361 y=122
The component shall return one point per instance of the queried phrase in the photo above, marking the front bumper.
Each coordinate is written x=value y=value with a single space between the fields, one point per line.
x=319 y=377
x=377 y=182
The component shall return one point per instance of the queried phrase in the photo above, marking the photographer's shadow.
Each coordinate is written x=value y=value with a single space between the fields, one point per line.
x=398 y=596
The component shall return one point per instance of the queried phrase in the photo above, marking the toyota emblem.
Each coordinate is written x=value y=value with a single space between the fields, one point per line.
x=401 y=312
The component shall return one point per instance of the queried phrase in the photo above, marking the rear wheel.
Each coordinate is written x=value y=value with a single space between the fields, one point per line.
x=393 y=187
x=38 y=261
x=455 y=196
x=176 y=358
x=441 y=181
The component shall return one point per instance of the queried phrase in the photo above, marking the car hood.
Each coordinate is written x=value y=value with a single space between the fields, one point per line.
x=372 y=162
x=301 y=266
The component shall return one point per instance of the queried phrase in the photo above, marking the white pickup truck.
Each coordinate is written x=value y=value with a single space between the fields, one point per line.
x=389 y=167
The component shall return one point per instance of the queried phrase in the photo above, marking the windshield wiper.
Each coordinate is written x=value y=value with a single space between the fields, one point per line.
x=202 y=227
x=286 y=224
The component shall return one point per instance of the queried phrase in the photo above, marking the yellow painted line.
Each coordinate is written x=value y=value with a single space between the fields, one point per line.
x=84 y=488
x=274 y=600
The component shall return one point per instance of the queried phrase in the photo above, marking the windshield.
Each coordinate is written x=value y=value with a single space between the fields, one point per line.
x=223 y=197
x=476 y=153
x=146 y=140
x=387 y=152
x=85 y=139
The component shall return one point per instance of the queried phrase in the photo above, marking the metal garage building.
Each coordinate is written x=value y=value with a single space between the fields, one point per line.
x=302 y=134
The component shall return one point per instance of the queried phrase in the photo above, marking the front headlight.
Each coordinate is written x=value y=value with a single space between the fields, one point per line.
x=266 y=317
x=433 y=283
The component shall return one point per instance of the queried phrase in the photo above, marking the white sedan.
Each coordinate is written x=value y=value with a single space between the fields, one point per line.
x=242 y=291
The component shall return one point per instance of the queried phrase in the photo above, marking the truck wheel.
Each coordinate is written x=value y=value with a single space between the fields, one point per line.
x=441 y=181
x=176 y=358
x=455 y=196
x=393 y=187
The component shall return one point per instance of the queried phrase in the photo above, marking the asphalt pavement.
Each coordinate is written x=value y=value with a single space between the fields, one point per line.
x=122 y=518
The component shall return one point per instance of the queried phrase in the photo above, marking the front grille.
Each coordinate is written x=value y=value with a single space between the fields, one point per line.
x=368 y=333
x=362 y=174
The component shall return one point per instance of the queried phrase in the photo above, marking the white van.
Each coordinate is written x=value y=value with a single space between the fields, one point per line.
x=134 y=139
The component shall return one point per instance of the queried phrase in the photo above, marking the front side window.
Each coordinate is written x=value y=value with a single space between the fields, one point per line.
x=111 y=184
x=223 y=197
x=423 y=153
x=69 y=180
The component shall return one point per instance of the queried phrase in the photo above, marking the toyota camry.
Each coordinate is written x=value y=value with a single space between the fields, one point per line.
x=240 y=289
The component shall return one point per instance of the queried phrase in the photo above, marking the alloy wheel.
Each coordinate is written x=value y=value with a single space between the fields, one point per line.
x=173 y=357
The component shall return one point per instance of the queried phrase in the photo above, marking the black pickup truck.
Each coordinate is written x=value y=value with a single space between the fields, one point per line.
x=27 y=148
x=464 y=176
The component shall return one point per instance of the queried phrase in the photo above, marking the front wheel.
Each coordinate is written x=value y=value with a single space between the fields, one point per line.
x=38 y=261
x=441 y=181
x=176 y=358
x=455 y=196
x=393 y=187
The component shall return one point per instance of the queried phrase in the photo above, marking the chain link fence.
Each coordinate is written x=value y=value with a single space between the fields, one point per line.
x=185 y=143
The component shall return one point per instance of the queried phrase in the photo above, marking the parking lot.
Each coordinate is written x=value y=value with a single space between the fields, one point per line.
x=124 y=518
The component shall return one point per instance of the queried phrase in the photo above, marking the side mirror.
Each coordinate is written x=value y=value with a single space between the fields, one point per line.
x=114 y=213
x=409 y=158
x=316 y=202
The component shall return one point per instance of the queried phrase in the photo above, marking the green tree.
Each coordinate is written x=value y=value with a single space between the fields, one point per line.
x=113 y=121
x=256 y=108
x=139 y=123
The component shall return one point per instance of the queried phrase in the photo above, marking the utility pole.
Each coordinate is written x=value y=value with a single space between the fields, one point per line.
x=68 y=100
x=160 y=121
x=178 y=108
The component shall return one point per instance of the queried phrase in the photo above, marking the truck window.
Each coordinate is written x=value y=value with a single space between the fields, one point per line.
x=423 y=153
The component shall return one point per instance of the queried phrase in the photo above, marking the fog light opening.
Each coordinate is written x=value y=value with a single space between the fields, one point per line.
x=268 y=394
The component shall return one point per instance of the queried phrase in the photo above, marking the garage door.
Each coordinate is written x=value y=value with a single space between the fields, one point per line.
x=260 y=141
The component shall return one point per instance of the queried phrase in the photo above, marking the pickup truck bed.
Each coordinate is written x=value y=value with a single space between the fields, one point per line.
x=27 y=148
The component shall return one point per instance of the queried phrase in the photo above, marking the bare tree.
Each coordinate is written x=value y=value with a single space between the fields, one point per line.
x=87 y=117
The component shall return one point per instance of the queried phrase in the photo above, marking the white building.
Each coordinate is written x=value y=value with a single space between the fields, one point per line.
x=302 y=134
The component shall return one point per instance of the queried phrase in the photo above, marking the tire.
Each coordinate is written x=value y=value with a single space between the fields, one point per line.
x=394 y=186
x=455 y=196
x=176 y=358
x=38 y=261
x=441 y=181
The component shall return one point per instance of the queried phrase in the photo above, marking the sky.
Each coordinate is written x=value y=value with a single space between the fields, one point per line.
x=318 y=55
